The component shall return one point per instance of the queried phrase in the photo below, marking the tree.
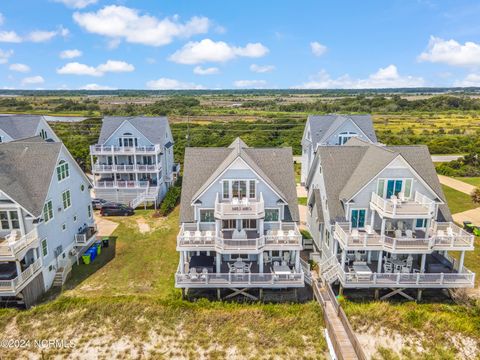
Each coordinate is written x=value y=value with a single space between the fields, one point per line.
x=475 y=195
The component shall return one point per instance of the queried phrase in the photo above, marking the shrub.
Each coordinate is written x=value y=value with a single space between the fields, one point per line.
x=171 y=199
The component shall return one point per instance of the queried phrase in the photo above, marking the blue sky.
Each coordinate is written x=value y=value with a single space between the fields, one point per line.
x=126 y=44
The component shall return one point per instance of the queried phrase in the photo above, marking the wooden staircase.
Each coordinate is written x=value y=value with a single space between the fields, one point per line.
x=64 y=269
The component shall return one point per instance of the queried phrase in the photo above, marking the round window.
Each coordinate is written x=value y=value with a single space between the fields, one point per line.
x=82 y=187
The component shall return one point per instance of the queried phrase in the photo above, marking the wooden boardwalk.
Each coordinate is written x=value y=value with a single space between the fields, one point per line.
x=344 y=341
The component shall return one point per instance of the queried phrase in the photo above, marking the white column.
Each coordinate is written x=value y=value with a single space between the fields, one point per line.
x=380 y=260
x=335 y=246
x=297 y=261
x=462 y=259
x=218 y=262
x=182 y=262
x=344 y=257
x=19 y=268
x=382 y=231
x=372 y=218
x=369 y=257
x=260 y=262
x=261 y=227
x=422 y=264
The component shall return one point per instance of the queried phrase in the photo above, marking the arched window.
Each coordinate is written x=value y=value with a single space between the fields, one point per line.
x=343 y=137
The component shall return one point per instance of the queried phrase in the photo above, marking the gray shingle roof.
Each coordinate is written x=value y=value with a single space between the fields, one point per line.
x=27 y=169
x=348 y=168
x=20 y=126
x=203 y=165
x=153 y=128
x=322 y=126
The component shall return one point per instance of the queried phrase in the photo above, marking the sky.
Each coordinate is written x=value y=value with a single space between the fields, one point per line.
x=217 y=44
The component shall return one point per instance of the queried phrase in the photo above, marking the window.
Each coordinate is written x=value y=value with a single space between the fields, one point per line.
x=249 y=224
x=64 y=227
x=75 y=218
x=271 y=214
x=408 y=188
x=358 y=218
x=343 y=137
x=48 y=211
x=421 y=223
x=1 y=139
x=381 y=187
x=43 y=134
x=82 y=187
x=239 y=188
x=226 y=188
x=9 y=220
x=67 y=201
x=62 y=171
x=207 y=216
x=236 y=256
x=251 y=189
x=229 y=224
x=44 y=247
x=89 y=210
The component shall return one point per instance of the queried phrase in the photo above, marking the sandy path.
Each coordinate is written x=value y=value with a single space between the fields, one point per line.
x=105 y=227
x=456 y=184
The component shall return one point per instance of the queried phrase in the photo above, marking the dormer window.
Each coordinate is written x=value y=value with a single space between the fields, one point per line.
x=343 y=137
x=63 y=171
x=43 y=134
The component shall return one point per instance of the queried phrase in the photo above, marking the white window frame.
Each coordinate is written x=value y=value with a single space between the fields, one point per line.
x=404 y=182
x=68 y=199
x=65 y=171
x=64 y=227
x=9 y=219
x=272 y=221
x=44 y=213
x=344 y=136
x=358 y=209
x=44 y=241
x=200 y=215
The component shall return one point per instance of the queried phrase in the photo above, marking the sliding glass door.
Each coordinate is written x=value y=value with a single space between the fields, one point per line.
x=393 y=187
x=358 y=218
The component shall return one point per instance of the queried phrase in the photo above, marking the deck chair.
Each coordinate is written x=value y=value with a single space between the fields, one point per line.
x=248 y=267
x=450 y=231
x=187 y=236
x=400 y=225
x=235 y=201
x=358 y=256
x=388 y=226
x=198 y=236
x=266 y=258
x=369 y=229
x=355 y=236
x=401 y=196
x=398 y=233
x=231 y=268
x=193 y=274
x=208 y=236
x=409 y=233
x=286 y=256
x=281 y=235
x=388 y=267
x=410 y=261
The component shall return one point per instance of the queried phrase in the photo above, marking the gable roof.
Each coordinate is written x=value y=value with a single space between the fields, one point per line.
x=346 y=169
x=203 y=165
x=27 y=170
x=20 y=126
x=153 y=128
x=323 y=126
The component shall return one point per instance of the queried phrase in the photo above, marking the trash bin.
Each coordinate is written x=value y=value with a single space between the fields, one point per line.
x=98 y=245
x=93 y=253
x=86 y=258
x=476 y=230
x=105 y=241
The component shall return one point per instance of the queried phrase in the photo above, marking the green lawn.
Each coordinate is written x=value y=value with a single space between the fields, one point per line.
x=302 y=201
x=124 y=305
x=475 y=181
x=457 y=200
x=298 y=172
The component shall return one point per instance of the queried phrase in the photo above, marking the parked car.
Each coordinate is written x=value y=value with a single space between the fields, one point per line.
x=115 y=209
x=98 y=203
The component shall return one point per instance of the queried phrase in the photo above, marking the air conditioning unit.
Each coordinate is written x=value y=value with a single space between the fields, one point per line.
x=73 y=252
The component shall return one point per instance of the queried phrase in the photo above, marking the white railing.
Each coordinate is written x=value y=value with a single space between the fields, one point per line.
x=11 y=248
x=84 y=237
x=103 y=168
x=239 y=208
x=109 y=149
x=12 y=285
x=442 y=236
x=127 y=168
x=121 y=184
x=420 y=205
x=239 y=279
x=286 y=234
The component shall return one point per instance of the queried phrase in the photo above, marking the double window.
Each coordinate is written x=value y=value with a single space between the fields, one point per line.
x=249 y=224
x=66 y=199
x=207 y=216
x=272 y=215
x=357 y=218
x=63 y=171
x=127 y=140
x=343 y=137
x=9 y=220
x=48 y=211
x=239 y=189
x=43 y=134
x=229 y=224
x=386 y=188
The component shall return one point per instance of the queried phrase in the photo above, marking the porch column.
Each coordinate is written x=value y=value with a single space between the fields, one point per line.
x=260 y=262
x=19 y=268
x=372 y=218
x=344 y=258
x=380 y=260
x=462 y=258
x=261 y=227
x=335 y=246
x=297 y=261
x=382 y=231
x=182 y=262
x=422 y=263
x=21 y=220
x=369 y=257
x=218 y=262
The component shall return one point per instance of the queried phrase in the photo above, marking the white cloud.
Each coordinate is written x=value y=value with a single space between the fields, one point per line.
x=387 y=77
x=10 y=37
x=205 y=71
x=150 y=60
x=75 y=68
x=77 y=4
x=120 y=22
x=317 y=48
x=2 y=19
x=20 y=68
x=41 y=36
x=251 y=84
x=33 y=80
x=70 y=54
x=115 y=66
x=471 y=80
x=451 y=52
x=96 y=87
x=171 y=84
x=5 y=55
x=207 y=50
x=261 y=68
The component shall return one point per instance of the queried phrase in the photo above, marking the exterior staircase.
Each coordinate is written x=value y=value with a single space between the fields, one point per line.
x=328 y=270
x=307 y=274
x=64 y=269
x=150 y=194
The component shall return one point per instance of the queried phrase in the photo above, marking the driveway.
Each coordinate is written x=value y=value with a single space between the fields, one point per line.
x=456 y=184
x=105 y=227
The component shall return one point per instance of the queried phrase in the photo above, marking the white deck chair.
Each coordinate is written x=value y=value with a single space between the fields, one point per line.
x=440 y=233
x=187 y=236
x=208 y=236
x=450 y=231
x=266 y=258
x=409 y=261
x=193 y=274
x=388 y=267
x=401 y=196
x=235 y=201
x=281 y=235
x=369 y=229
x=198 y=236
x=409 y=233
x=400 y=225
x=398 y=233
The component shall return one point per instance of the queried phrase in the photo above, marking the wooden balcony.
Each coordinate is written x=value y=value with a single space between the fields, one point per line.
x=419 y=206
x=14 y=286
x=441 y=236
x=124 y=150
x=239 y=208
x=12 y=248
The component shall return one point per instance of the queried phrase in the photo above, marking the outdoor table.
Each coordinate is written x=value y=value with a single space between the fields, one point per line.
x=362 y=270
x=281 y=270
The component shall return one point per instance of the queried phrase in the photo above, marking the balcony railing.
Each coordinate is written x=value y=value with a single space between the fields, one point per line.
x=13 y=286
x=219 y=280
x=191 y=238
x=127 y=168
x=84 y=236
x=112 y=149
x=239 y=208
x=441 y=236
x=123 y=184
x=11 y=247
x=420 y=205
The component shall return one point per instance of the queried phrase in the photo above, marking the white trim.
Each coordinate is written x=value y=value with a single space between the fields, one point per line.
x=350 y=216
x=279 y=215
x=43 y=211
x=41 y=247
x=200 y=214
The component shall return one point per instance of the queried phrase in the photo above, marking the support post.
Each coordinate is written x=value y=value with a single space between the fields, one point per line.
x=382 y=231
x=377 y=294
x=218 y=262
x=297 y=261
x=419 y=294
x=422 y=263
x=380 y=260
x=369 y=257
x=182 y=262
x=462 y=259
x=219 y=297
x=372 y=218
x=260 y=262
x=344 y=258
x=340 y=290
